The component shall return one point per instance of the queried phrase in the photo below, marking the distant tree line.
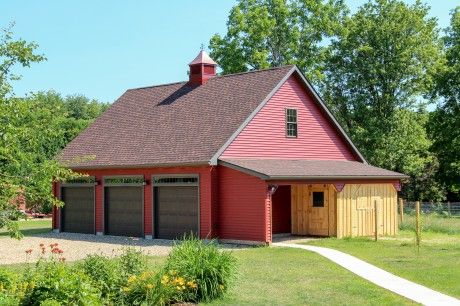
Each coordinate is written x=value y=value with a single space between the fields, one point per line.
x=387 y=72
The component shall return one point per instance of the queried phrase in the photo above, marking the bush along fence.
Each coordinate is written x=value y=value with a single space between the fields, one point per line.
x=195 y=271
x=433 y=216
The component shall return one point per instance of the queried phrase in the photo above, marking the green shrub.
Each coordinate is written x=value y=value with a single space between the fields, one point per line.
x=51 y=280
x=104 y=273
x=6 y=279
x=212 y=269
x=132 y=262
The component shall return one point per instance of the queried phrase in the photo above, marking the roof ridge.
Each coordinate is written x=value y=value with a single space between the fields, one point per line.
x=254 y=71
x=159 y=85
x=217 y=76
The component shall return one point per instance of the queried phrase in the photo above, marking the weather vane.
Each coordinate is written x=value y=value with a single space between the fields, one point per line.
x=202 y=47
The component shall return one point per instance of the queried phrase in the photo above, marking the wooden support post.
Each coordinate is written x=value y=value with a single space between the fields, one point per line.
x=418 y=231
x=401 y=211
x=376 y=216
x=448 y=209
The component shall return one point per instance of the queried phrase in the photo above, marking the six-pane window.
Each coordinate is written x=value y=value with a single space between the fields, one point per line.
x=291 y=122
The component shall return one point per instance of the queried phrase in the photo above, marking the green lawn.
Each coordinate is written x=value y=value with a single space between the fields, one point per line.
x=283 y=276
x=437 y=265
x=31 y=227
x=433 y=223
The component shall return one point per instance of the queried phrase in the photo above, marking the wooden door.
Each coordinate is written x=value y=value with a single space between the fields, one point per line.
x=318 y=211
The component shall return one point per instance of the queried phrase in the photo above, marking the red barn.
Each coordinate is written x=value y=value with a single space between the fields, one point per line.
x=238 y=157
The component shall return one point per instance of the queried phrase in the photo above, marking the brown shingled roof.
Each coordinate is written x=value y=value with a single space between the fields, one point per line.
x=309 y=169
x=171 y=124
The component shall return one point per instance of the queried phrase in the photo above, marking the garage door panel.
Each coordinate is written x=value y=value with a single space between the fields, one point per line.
x=124 y=210
x=176 y=211
x=78 y=209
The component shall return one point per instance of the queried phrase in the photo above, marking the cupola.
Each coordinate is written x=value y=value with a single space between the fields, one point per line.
x=202 y=68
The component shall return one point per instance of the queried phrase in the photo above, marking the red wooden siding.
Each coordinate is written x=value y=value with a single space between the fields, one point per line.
x=265 y=135
x=281 y=210
x=204 y=173
x=243 y=207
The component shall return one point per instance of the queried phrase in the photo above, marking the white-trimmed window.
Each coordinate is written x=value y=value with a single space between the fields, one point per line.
x=291 y=122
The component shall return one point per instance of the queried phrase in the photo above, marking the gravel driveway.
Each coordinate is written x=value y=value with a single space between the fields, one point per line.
x=77 y=246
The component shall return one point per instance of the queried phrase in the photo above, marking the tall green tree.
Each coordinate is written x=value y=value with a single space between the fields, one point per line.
x=269 y=33
x=28 y=137
x=444 y=127
x=378 y=69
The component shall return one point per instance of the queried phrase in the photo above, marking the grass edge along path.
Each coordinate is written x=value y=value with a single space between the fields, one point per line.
x=436 y=266
x=286 y=276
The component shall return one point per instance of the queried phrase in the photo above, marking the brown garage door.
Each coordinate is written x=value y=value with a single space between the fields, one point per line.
x=77 y=215
x=124 y=211
x=176 y=211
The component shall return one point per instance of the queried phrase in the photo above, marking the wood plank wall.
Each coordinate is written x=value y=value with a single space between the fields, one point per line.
x=300 y=199
x=355 y=210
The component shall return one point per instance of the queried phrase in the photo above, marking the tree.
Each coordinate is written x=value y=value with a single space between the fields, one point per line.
x=26 y=130
x=378 y=69
x=270 y=33
x=444 y=127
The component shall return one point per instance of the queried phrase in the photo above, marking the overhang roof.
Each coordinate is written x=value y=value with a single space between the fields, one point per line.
x=287 y=169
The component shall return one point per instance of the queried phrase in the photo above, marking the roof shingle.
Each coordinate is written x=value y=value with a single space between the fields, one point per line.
x=310 y=169
x=171 y=124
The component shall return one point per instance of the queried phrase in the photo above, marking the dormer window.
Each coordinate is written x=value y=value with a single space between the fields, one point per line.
x=291 y=122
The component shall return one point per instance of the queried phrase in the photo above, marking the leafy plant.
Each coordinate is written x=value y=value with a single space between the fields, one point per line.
x=132 y=262
x=212 y=269
x=104 y=273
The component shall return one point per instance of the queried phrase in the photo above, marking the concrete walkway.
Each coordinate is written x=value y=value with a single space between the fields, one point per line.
x=382 y=278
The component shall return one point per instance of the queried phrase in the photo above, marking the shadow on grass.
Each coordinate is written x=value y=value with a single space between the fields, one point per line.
x=29 y=232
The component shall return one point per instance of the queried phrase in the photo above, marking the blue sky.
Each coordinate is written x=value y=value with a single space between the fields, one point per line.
x=102 y=48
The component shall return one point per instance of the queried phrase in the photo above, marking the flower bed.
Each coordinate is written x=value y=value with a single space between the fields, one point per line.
x=195 y=271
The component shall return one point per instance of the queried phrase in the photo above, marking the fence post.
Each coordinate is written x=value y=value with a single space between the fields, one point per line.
x=448 y=208
x=417 y=224
x=401 y=210
x=376 y=215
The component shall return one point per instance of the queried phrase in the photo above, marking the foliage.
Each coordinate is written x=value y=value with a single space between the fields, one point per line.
x=50 y=281
x=270 y=33
x=159 y=289
x=104 y=274
x=444 y=127
x=132 y=262
x=13 y=52
x=378 y=68
x=434 y=223
x=126 y=280
x=32 y=131
x=213 y=270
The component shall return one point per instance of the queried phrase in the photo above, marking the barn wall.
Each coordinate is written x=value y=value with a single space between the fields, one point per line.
x=281 y=210
x=355 y=210
x=206 y=194
x=244 y=208
x=265 y=135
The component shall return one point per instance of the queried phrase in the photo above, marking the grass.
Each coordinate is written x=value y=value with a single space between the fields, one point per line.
x=31 y=227
x=436 y=265
x=433 y=223
x=283 y=276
